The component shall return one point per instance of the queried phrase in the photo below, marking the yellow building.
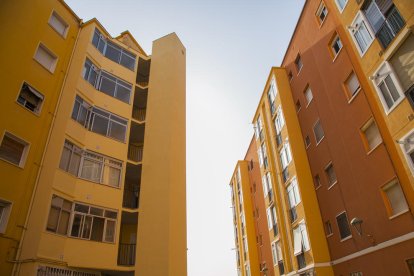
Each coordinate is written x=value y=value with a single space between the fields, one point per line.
x=244 y=226
x=294 y=221
x=110 y=145
x=383 y=42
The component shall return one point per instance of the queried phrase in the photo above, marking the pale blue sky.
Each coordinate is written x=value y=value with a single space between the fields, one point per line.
x=231 y=46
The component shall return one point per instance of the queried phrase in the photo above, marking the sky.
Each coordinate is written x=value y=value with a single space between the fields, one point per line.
x=231 y=46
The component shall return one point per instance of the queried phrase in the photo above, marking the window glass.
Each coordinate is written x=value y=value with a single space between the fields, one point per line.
x=331 y=175
x=396 y=198
x=388 y=88
x=308 y=95
x=352 y=85
x=318 y=131
x=361 y=34
x=30 y=98
x=12 y=149
x=45 y=57
x=322 y=12
x=343 y=226
x=371 y=134
x=58 y=24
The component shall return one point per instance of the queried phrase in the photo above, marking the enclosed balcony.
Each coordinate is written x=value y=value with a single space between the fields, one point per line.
x=143 y=72
x=139 y=107
x=128 y=239
x=136 y=142
x=132 y=186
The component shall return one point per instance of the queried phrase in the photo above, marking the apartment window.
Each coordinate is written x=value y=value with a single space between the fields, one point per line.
x=276 y=253
x=290 y=75
x=318 y=131
x=245 y=247
x=285 y=155
x=98 y=120
x=71 y=158
x=91 y=166
x=352 y=85
x=58 y=24
x=388 y=88
x=328 y=228
x=330 y=174
x=112 y=51
x=341 y=4
x=317 y=181
x=5 y=209
x=264 y=154
x=300 y=239
x=271 y=94
x=308 y=95
x=30 y=98
x=106 y=82
x=410 y=264
x=307 y=141
x=93 y=223
x=321 y=13
x=358 y=273
x=395 y=199
x=59 y=214
x=46 y=58
x=279 y=120
x=272 y=219
x=361 y=34
x=259 y=129
x=13 y=149
x=336 y=45
x=408 y=149
x=343 y=225
x=294 y=198
x=297 y=105
x=298 y=63
x=371 y=135
x=247 y=268
x=267 y=185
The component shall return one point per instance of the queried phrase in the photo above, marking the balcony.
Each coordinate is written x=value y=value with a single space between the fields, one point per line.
x=281 y=267
x=389 y=29
x=143 y=72
x=293 y=214
x=139 y=113
x=285 y=174
x=275 y=230
x=132 y=186
x=126 y=254
x=135 y=152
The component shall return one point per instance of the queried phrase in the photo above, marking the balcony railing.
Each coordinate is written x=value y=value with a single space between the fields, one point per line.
x=131 y=198
x=292 y=214
x=279 y=140
x=390 y=28
x=138 y=113
x=285 y=174
x=143 y=83
x=135 y=152
x=126 y=254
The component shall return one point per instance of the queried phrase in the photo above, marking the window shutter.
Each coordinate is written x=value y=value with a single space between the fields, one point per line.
x=384 y=5
x=297 y=241
x=402 y=61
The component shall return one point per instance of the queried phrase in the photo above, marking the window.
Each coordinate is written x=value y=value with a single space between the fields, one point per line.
x=321 y=13
x=46 y=58
x=331 y=175
x=259 y=128
x=352 y=85
x=290 y=75
x=408 y=149
x=307 y=141
x=112 y=51
x=308 y=96
x=58 y=24
x=298 y=63
x=285 y=154
x=264 y=155
x=276 y=252
x=93 y=223
x=336 y=45
x=395 y=199
x=318 y=131
x=371 y=135
x=361 y=34
x=267 y=185
x=5 y=209
x=98 y=120
x=358 y=273
x=300 y=239
x=271 y=94
x=341 y=4
x=30 y=98
x=13 y=149
x=106 y=82
x=328 y=228
x=59 y=214
x=247 y=268
x=294 y=198
x=343 y=225
x=245 y=247
x=388 y=88
x=279 y=120
x=317 y=181
x=272 y=219
x=410 y=264
x=91 y=166
x=298 y=106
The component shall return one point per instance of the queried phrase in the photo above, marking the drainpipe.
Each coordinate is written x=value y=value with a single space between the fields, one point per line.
x=17 y=262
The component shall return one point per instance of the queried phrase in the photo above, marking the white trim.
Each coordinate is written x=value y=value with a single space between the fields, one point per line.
x=339 y=8
x=4 y=218
x=59 y=17
x=361 y=17
x=26 y=149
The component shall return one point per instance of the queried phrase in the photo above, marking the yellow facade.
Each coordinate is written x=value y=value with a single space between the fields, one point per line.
x=110 y=143
x=299 y=240
x=388 y=60
x=244 y=225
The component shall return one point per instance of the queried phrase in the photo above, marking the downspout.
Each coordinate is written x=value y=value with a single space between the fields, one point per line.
x=17 y=262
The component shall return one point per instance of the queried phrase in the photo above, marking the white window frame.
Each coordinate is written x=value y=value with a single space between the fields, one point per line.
x=5 y=215
x=389 y=208
x=279 y=120
x=52 y=67
x=26 y=149
x=339 y=229
x=319 y=11
x=379 y=76
x=62 y=21
x=407 y=147
x=293 y=193
x=308 y=95
x=314 y=133
x=340 y=44
x=341 y=9
x=38 y=109
x=359 y=19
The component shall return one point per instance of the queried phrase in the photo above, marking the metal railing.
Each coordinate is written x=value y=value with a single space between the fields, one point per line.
x=139 y=113
x=135 y=152
x=126 y=254
x=390 y=28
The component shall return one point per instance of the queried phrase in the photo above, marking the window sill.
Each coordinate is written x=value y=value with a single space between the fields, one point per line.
x=374 y=148
x=51 y=71
x=347 y=238
x=320 y=141
x=398 y=214
x=11 y=163
x=322 y=22
x=317 y=188
x=354 y=96
x=333 y=184
x=330 y=235
x=336 y=55
x=397 y=103
x=309 y=103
